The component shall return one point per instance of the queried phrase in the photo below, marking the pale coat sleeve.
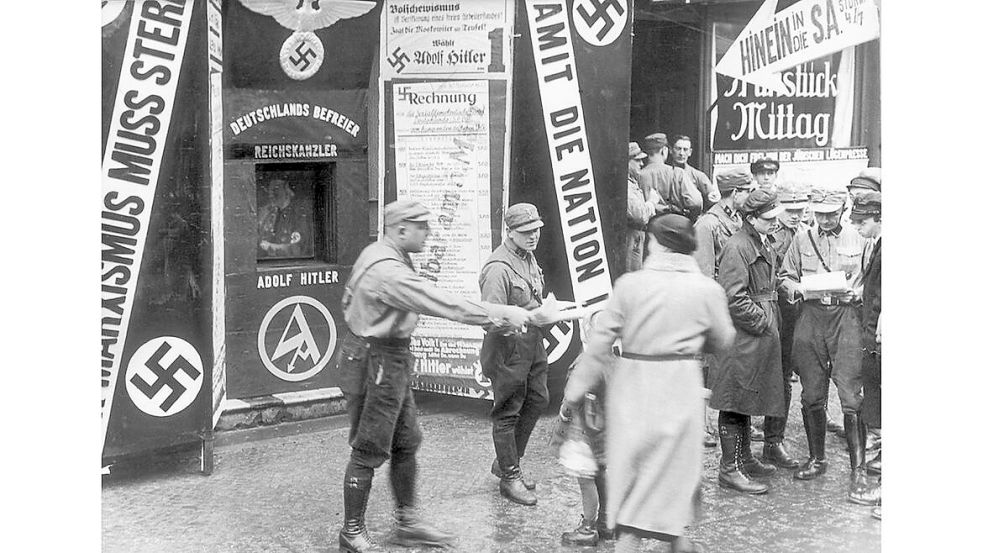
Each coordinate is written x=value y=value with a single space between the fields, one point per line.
x=705 y=257
x=597 y=354
x=720 y=332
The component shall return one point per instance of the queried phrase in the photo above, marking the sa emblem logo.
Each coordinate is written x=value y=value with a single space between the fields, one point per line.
x=286 y=344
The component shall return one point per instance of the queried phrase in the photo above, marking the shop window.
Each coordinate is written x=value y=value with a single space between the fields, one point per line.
x=295 y=213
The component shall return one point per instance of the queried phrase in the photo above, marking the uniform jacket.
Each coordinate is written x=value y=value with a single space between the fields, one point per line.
x=871 y=309
x=674 y=186
x=749 y=376
x=713 y=229
x=839 y=249
x=654 y=421
x=708 y=189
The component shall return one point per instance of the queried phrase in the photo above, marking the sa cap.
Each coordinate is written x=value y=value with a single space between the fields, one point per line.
x=674 y=232
x=792 y=196
x=762 y=203
x=866 y=204
x=826 y=201
x=869 y=178
x=764 y=164
x=733 y=178
x=523 y=218
x=655 y=141
x=405 y=210
x=635 y=152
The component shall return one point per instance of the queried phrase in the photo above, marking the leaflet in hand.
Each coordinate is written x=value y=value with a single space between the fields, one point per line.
x=824 y=283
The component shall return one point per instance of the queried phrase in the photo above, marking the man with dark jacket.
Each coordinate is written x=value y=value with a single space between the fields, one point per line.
x=750 y=381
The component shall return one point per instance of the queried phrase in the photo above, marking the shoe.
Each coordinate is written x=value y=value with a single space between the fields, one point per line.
x=815 y=426
x=411 y=531
x=687 y=546
x=876 y=512
x=584 y=534
x=603 y=531
x=753 y=467
x=874 y=465
x=775 y=454
x=357 y=543
x=496 y=469
x=731 y=474
x=512 y=489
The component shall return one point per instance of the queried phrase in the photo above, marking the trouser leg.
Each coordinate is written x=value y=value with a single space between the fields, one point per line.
x=537 y=394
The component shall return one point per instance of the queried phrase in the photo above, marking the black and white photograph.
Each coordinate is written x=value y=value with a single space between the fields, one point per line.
x=509 y=276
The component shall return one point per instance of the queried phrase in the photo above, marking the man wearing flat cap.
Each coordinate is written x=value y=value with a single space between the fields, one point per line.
x=866 y=218
x=382 y=302
x=666 y=317
x=868 y=180
x=750 y=381
x=641 y=208
x=765 y=172
x=826 y=341
x=672 y=184
x=515 y=362
x=713 y=229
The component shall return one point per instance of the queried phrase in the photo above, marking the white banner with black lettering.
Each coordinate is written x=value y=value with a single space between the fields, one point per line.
x=138 y=130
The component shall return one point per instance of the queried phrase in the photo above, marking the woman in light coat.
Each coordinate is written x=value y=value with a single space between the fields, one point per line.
x=667 y=315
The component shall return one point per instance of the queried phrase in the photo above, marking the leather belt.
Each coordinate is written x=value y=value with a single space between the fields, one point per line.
x=830 y=301
x=767 y=296
x=662 y=357
x=387 y=342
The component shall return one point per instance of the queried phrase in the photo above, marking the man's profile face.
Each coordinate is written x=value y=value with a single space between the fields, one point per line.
x=681 y=151
x=867 y=227
x=527 y=240
x=414 y=235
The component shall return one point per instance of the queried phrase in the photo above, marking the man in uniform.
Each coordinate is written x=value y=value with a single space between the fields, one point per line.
x=382 y=302
x=866 y=218
x=682 y=149
x=641 y=208
x=765 y=172
x=672 y=183
x=713 y=229
x=826 y=342
x=515 y=362
x=793 y=201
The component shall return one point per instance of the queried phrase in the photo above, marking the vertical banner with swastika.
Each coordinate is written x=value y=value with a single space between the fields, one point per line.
x=570 y=135
x=157 y=248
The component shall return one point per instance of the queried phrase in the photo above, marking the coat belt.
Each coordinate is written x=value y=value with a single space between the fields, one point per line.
x=767 y=296
x=662 y=357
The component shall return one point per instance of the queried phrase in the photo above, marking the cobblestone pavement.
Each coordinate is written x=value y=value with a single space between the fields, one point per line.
x=278 y=489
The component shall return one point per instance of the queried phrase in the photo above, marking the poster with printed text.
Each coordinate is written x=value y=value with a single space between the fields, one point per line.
x=442 y=156
x=428 y=38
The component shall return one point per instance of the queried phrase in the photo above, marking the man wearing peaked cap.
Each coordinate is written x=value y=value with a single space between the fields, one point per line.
x=868 y=179
x=765 y=171
x=866 y=218
x=748 y=269
x=382 y=302
x=671 y=184
x=825 y=343
x=713 y=229
x=515 y=362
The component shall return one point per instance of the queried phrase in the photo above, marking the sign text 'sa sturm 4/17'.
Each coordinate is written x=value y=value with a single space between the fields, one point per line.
x=773 y=42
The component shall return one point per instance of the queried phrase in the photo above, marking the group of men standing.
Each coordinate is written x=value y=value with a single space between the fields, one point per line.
x=755 y=243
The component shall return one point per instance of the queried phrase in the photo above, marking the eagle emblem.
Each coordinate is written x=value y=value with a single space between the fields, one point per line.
x=302 y=53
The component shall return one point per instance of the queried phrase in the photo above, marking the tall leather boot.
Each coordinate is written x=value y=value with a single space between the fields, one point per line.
x=512 y=488
x=353 y=537
x=753 y=467
x=732 y=473
x=773 y=450
x=861 y=492
x=815 y=425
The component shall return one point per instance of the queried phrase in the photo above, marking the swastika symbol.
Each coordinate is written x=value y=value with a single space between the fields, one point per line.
x=601 y=8
x=397 y=60
x=304 y=52
x=165 y=377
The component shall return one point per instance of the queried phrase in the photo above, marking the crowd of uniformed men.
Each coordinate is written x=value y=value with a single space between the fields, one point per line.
x=723 y=275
